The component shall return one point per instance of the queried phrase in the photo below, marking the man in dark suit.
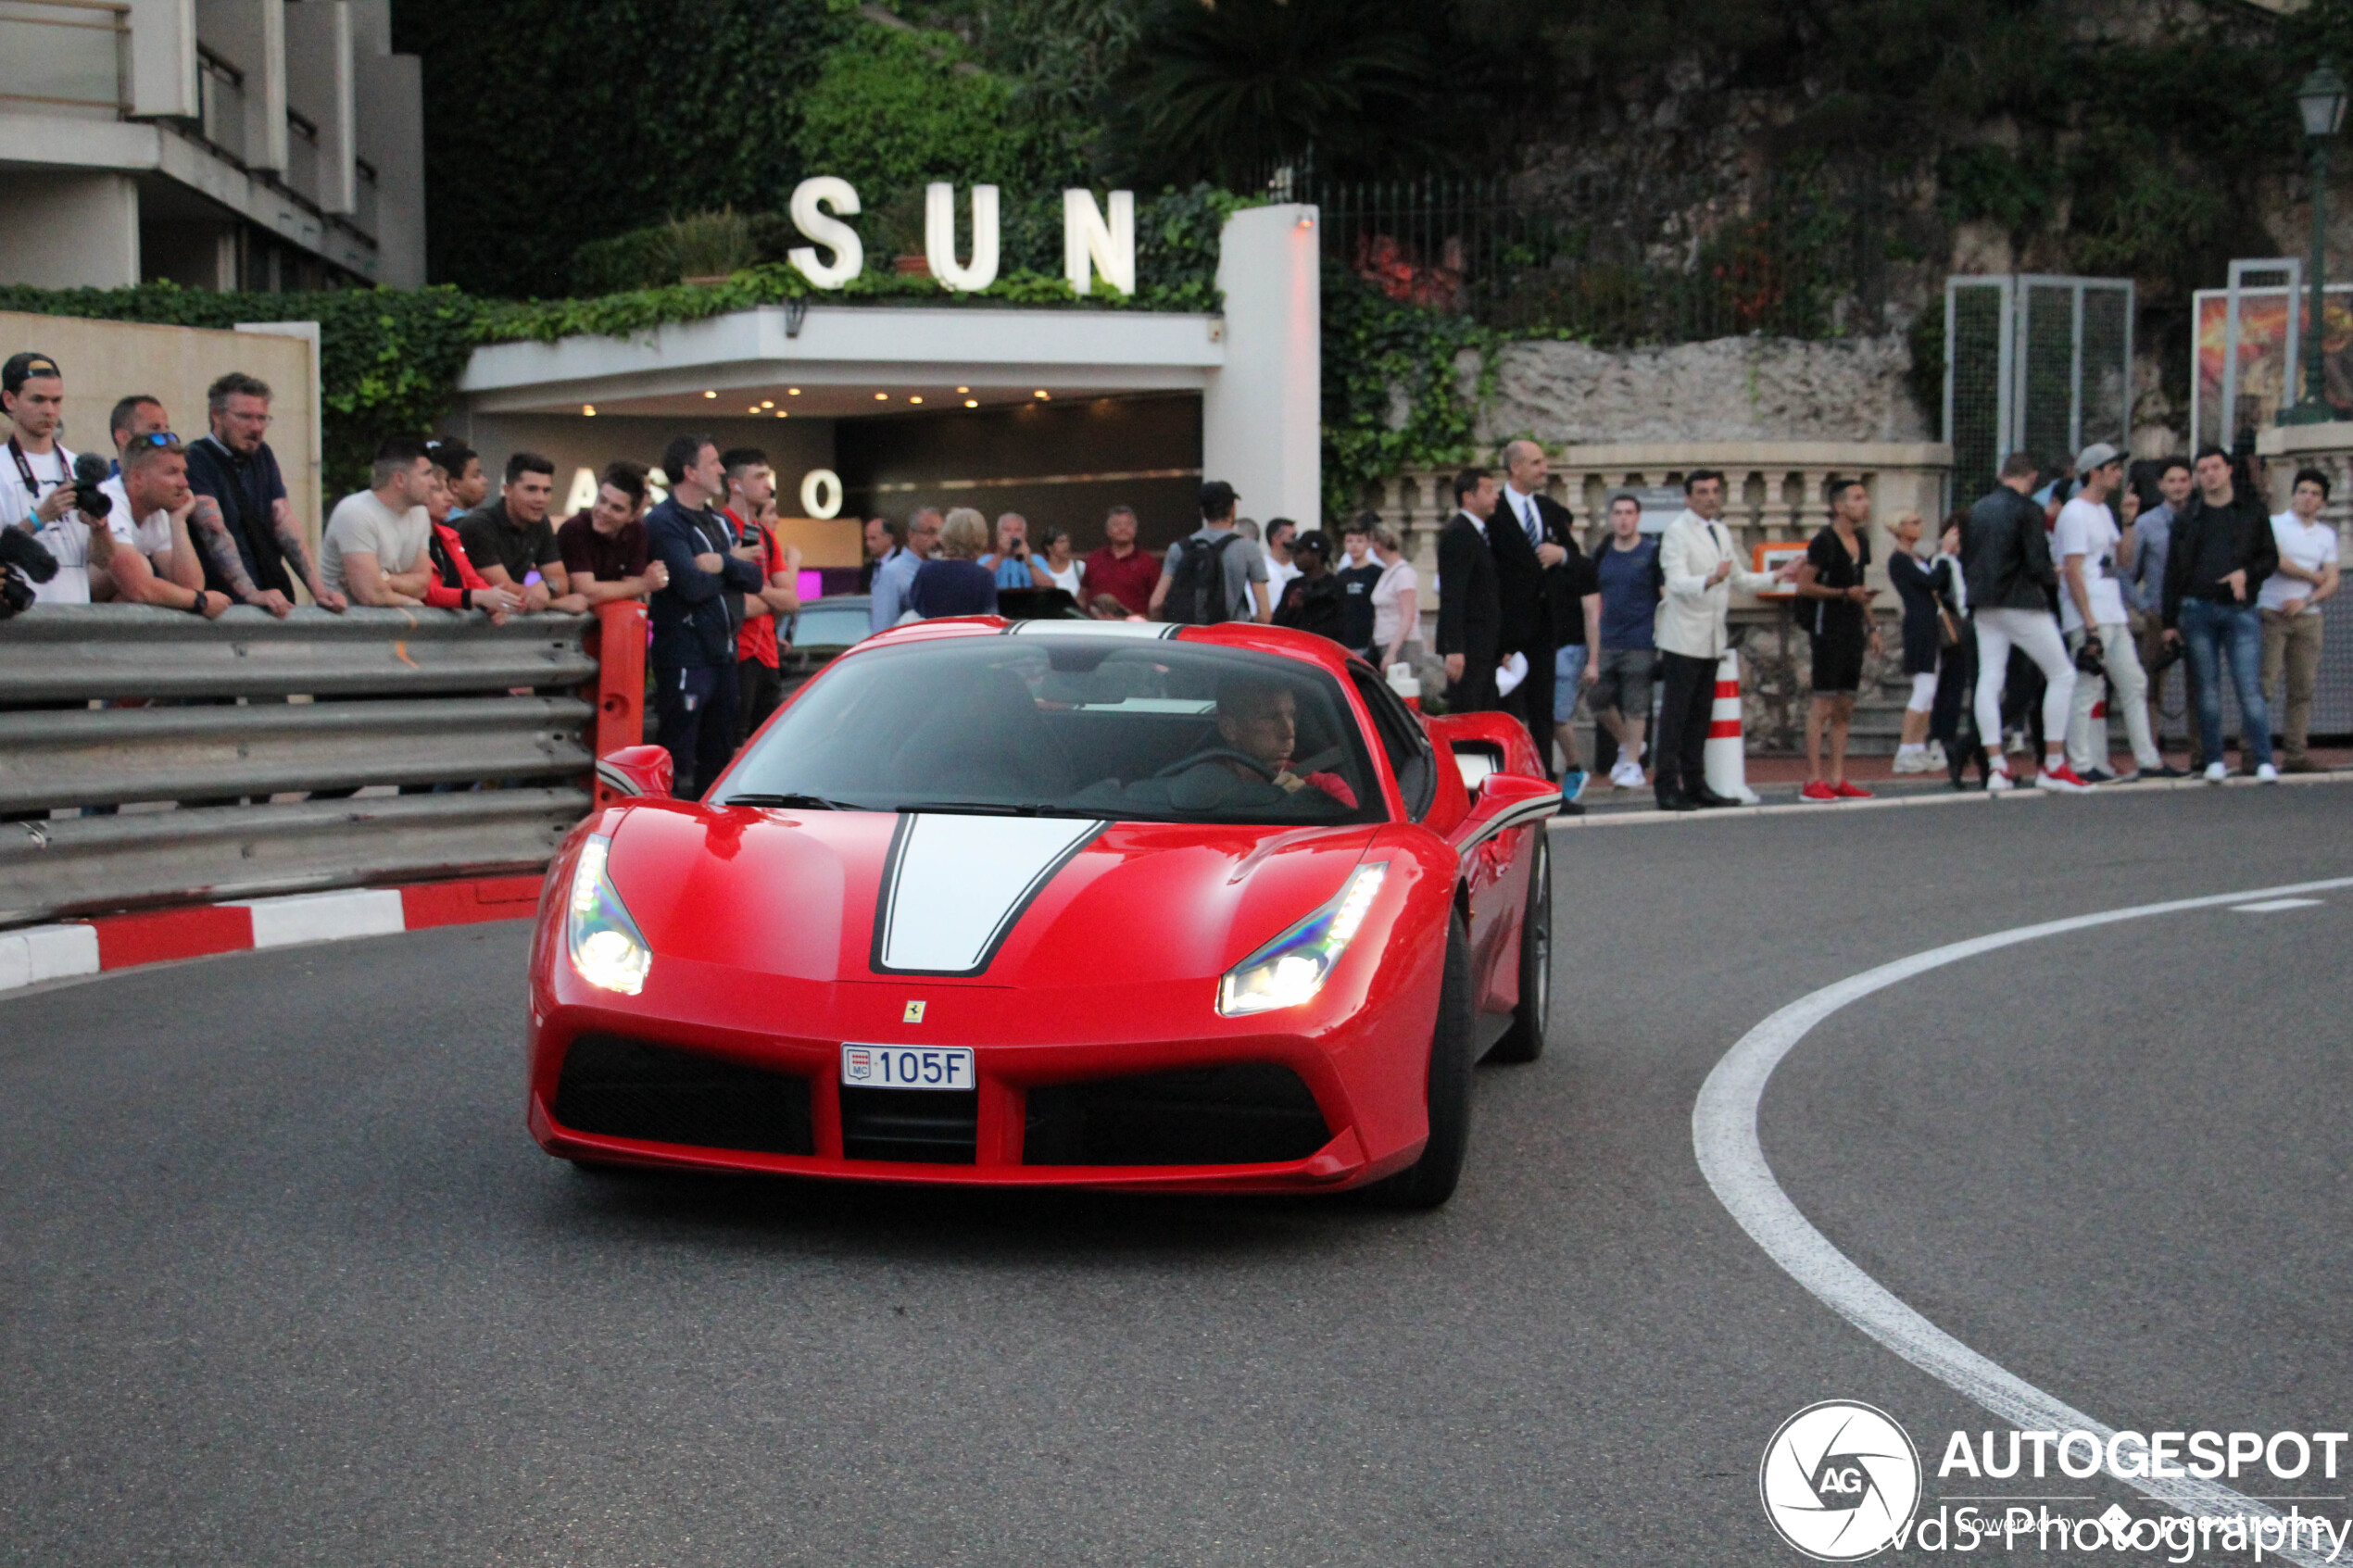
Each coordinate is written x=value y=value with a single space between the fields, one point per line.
x=1469 y=606
x=1524 y=532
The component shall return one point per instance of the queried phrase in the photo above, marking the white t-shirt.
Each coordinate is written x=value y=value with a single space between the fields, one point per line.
x=49 y=470
x=1069 y=578
x=152 y=533
x=1395 y=580
x=2310 y=548
x=1278 y=573
x=366 y=525
x=69 y=540
x=2088 y=528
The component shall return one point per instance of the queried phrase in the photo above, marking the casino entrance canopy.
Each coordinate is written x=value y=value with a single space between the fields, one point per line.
x=1055 y=411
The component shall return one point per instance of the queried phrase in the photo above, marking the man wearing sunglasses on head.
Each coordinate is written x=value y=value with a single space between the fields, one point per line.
x=153 y=560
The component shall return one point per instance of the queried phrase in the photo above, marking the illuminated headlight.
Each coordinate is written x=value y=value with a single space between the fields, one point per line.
x=607 y=951
x=1294 y=966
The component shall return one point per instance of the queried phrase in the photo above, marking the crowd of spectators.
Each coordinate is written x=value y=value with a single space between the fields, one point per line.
x=2036 y=601
x=2035 y=604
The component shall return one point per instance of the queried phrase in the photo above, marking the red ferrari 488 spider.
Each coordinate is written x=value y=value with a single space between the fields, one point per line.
x=1074 y=903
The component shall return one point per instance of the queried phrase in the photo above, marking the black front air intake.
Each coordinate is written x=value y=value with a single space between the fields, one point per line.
x=929 y=1126
x=1244 y=1113
x=622 y=1088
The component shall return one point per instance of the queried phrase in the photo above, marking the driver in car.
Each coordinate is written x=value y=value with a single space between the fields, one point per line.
x=1257 y=729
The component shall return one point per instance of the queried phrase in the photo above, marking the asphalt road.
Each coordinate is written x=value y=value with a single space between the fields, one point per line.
x=283 y=1280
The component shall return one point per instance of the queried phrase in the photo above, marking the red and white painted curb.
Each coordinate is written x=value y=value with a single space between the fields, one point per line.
x=94 y=947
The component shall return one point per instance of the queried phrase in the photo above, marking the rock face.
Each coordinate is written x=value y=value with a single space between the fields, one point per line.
x=1731 y=389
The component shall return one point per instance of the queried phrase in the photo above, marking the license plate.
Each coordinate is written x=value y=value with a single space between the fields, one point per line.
x=906 y=1067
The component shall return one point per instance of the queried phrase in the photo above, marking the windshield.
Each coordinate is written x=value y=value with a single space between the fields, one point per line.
x=819 y=624
x=1077 y=725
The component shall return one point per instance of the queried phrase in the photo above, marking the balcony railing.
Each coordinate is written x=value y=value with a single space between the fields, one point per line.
x=221 y=103
x=66 y=54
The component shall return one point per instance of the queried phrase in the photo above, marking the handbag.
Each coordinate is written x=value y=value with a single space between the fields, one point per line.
x=1948 y=628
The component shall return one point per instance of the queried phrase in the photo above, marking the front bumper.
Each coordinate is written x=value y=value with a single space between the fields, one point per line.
x=1072 y=1075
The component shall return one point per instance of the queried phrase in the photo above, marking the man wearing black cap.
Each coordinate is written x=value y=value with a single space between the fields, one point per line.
x=1228 y=578
x=36 y=480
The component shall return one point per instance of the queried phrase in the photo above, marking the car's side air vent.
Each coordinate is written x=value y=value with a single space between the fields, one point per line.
x=623 y=1088
x=1243 y=1114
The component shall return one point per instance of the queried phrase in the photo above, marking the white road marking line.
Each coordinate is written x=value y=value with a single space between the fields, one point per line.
x=1724 y=1138
x=2273 y=905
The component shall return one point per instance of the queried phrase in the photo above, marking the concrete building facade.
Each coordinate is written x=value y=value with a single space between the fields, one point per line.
x=262 y=144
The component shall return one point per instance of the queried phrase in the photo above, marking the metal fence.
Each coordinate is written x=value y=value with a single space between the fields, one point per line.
x=1795 y=267
x=200 y=717
x=2035 y=364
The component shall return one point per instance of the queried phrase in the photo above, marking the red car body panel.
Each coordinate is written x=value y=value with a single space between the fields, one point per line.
x=761 y=921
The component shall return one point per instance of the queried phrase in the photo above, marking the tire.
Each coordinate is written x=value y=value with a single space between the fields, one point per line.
x=1430 y=1180
x=1525 y=1040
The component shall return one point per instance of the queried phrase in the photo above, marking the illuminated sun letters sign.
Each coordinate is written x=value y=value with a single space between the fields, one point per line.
x=1092 y=244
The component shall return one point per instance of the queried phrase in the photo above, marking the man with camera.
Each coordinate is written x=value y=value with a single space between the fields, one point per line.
x=1012 y=562
x=36 y=482
x=2094 y=553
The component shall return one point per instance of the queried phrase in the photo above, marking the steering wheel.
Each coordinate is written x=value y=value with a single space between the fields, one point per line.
x=1216 y=754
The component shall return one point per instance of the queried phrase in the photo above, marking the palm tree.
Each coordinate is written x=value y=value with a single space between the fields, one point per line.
x=1227 y=89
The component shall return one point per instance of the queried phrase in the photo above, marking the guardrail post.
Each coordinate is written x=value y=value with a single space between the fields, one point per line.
x=618 y=640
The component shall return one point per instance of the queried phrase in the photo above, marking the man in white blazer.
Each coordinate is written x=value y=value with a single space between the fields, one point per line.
x=1697 y=558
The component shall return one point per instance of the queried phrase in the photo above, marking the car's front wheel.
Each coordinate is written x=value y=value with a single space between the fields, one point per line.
x=1525 y=1040
x=1430 y=1180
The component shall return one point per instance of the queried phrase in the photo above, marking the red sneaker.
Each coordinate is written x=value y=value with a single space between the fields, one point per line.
x=1852 y=791
x=1818 y=792
x=2063 y=778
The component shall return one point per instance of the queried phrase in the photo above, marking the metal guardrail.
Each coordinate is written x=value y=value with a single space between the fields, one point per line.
x=74 y=652
x=88 y=865
x=207 y=714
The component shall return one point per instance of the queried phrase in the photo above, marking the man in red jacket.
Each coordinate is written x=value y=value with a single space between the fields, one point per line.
x=751 y=494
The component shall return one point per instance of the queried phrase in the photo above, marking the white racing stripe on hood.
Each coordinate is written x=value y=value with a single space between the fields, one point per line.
x=955 y=885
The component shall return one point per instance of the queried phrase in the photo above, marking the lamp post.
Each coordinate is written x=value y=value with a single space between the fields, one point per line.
x=2320 y=100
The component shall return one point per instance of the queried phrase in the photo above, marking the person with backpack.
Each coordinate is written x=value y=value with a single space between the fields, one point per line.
x=1213 y=574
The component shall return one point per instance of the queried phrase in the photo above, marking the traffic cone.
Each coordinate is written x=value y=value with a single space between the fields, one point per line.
x=1727 y=757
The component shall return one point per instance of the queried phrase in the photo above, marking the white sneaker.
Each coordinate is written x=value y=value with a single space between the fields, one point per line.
x=2216 y=773
x=1626 y=775
x=1910 y=763
x=1937 y=761
x=1999 y=781
x=2266 y=773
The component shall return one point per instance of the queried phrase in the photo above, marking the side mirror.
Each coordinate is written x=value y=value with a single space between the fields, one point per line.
x=634 y=772
x=1478 y=762
x=1513 y=795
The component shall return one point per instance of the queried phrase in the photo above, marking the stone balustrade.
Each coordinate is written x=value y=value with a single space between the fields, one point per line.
x=2282 y=449
x=1774 y=488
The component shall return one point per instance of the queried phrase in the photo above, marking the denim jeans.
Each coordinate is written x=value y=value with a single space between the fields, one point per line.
x=2213 y=633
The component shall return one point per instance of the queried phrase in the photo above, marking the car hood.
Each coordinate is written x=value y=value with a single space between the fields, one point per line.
x=1035 y=902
